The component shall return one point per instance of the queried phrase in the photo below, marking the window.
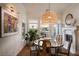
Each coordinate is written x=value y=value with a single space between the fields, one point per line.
x=33 y=24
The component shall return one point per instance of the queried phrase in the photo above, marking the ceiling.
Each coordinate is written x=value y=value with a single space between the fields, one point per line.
x=35 y=10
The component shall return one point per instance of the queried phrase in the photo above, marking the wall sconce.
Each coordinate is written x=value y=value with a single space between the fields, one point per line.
x=12 y=9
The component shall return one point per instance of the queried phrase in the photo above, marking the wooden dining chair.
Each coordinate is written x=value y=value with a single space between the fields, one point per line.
x=44 y=48
x=48 y=47
x=63 y=51
x=33 y=50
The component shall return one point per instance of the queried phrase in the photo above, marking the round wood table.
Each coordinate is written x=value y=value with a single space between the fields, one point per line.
x=54 y=44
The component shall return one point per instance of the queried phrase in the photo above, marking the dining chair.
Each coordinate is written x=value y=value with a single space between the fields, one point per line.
x=63 y=51
x=44 y=48
x=33 y=50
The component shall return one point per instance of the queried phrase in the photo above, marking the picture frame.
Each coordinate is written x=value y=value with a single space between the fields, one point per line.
x=8 y=23
x=23 y=30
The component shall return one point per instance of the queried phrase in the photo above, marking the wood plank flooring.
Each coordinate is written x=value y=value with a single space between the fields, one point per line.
x=26 y=52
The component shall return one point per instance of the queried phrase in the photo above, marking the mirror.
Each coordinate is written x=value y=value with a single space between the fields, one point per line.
x=69 y=20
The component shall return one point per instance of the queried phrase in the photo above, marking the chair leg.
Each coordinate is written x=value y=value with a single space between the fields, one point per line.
x=68 y=53
x=56 y=51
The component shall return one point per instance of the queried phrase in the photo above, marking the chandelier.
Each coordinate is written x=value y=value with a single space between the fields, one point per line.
x=49 y=16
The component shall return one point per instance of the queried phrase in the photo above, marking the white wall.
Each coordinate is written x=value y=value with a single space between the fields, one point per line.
x=11 y=45
x=74 y=9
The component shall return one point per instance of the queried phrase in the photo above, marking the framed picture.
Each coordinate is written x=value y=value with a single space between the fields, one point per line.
x=23 y=30
x=8 y=23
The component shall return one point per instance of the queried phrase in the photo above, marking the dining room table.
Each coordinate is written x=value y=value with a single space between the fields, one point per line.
x=54 y=44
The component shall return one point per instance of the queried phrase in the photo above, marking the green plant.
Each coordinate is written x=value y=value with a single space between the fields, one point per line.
x=27 y=36
x=32 y=35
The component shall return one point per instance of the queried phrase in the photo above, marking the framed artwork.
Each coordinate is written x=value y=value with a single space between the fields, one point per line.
x=23 y=30
x=8 y=23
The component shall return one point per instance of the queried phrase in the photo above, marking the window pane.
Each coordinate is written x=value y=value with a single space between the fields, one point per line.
x=33 y=26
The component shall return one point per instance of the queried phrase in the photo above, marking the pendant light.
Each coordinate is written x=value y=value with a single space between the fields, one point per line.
x=49 y=16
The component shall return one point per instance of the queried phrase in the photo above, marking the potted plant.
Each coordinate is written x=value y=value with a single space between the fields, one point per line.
x=32 y=35
x=27 y=38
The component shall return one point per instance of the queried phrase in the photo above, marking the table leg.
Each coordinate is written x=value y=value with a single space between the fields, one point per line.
x=56 y=51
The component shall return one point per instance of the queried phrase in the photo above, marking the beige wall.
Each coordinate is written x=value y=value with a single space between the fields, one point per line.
x=11 y=45
x=74 y=9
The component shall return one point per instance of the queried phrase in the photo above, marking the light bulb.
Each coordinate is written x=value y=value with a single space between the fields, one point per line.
x=49 y=17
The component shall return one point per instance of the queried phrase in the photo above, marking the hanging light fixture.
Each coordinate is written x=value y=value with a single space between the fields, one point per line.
x=49 y=16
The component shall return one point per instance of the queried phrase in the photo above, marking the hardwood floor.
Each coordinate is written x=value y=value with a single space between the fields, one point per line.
x=26 y=52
